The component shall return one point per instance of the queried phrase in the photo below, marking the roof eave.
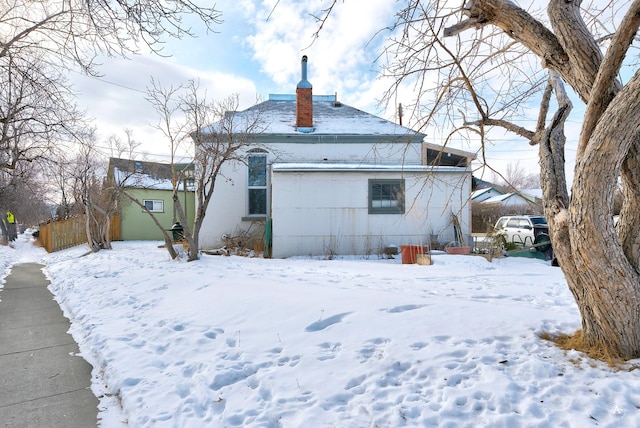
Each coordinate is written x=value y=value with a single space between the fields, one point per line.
x=316 y=138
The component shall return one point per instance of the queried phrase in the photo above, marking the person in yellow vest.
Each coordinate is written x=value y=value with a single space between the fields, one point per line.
x=11 y=226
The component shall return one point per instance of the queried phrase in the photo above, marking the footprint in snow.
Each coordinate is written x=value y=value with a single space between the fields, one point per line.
x=329 y=351
x=374 y=349
x=322 y=324
x=403 y=308
x=418 y=345
x=212 y=334
x=291 y=362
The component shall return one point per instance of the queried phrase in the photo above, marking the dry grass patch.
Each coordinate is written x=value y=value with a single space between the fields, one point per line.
x=576 y=342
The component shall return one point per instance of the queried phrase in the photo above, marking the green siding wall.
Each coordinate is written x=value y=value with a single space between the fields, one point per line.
x=137 y=225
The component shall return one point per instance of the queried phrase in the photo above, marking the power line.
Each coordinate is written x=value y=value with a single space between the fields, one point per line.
x=100 y=79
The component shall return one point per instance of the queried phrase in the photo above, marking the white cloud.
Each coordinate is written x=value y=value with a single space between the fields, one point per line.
x=117 y=99
x=257 y=50
x=339 y=58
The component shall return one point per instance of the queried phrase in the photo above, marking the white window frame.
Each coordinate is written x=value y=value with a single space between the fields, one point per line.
x=157 y=205
x=263 y=154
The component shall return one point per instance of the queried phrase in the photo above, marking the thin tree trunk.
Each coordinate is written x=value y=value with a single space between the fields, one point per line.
x=189 y=236
x=168 y=243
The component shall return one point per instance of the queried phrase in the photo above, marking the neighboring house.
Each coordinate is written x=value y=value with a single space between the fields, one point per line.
x=150 y=183
x=329 y=179
x=481 y=195
x=511 y=199
x=436 y=155
x=485 y=193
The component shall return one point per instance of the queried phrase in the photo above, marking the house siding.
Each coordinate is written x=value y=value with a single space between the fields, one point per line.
x=136 y=223
x=321 y=206
x=227 y=211
x=326 y=213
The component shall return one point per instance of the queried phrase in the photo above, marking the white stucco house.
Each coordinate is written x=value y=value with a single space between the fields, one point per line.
x=327 y=179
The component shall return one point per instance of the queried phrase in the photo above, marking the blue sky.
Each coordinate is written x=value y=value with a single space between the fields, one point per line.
x=255 y=52
x=250 y=56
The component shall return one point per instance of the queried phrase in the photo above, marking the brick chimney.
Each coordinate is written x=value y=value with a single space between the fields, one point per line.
x=304 y=101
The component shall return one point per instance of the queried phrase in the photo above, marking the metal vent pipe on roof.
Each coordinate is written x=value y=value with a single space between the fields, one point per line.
x=304 y=83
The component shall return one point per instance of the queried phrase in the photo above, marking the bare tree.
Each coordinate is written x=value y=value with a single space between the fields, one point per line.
x=97 y=201
x=22 y=192
x=126 y=174
x=515 y=178
x=98 y=197
x=37 y=112
x=169 y=104
x=59 y=182
x=66 y=32
x=488 y=58
x=41 y=40
x=221 y=135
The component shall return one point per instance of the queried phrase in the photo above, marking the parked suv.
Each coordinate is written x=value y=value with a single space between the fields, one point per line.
x=523 y=229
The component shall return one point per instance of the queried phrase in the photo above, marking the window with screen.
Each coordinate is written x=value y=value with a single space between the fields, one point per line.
x=386 y=196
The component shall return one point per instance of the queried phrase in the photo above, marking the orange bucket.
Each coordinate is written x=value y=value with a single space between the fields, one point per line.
x=408 y=253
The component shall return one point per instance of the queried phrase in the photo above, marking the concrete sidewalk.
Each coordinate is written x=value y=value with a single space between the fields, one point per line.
x=42 y=382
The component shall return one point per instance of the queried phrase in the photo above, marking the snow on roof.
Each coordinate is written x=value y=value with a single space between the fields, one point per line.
x=504 y=197
x=498 y=198
x=141 y=181
x=278 y=116
x=146 y=175
x=480 y=192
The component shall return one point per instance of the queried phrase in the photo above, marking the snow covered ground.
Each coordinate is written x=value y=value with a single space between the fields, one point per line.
x=249 y=342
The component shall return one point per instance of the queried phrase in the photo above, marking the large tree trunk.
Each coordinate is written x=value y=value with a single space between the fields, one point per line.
x=601 y=265
x=603 y=279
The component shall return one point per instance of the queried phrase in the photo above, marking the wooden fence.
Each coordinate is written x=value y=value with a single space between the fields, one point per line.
x=56 y=235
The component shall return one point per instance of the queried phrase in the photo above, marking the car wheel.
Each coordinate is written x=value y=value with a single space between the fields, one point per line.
x=542 y=243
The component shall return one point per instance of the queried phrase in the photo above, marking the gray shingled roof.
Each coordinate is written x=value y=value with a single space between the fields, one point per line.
x=278 y=116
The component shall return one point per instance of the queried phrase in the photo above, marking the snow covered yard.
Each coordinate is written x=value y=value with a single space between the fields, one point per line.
x=237 y=342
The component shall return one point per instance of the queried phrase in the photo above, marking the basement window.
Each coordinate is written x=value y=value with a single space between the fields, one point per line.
x=154 y=205
x=386 y=196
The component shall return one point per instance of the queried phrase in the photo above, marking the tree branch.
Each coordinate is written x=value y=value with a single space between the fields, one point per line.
x=517 y=24
x=167 y=240
x=519 y=130
x=606 y=84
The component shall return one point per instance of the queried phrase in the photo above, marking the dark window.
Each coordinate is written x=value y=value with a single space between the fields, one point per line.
x=257 y=170
x=257 y=201
x=386 y=196
x=539 y=220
